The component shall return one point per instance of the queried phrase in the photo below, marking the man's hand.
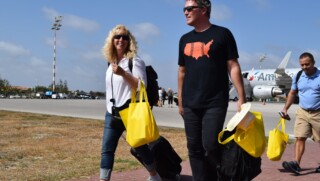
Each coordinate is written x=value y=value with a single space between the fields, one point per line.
x=284 y=115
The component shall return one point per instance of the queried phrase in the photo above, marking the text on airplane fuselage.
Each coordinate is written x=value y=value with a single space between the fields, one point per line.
x=266 y=77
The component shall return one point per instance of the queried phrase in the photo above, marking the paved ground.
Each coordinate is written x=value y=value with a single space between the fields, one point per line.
x=95 y=109
x=271 y=170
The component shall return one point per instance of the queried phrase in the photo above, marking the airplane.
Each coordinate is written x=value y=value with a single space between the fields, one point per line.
x=267 y=83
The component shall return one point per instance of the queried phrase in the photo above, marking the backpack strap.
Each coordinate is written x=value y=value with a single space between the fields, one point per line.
x=113 y=101
x=130 y=64
x=298 y=76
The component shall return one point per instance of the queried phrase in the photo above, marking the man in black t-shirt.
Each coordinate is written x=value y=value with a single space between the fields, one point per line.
x=207 y=57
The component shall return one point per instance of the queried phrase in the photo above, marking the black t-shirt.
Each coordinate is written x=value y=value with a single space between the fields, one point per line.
x=205 y=55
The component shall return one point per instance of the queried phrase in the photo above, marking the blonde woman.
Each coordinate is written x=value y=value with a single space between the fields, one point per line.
x=119 y=48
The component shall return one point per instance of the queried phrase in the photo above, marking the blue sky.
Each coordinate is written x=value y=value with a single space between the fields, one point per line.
x=270 y=27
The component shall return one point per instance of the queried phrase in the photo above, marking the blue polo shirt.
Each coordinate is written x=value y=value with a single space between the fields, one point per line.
x=308 y=90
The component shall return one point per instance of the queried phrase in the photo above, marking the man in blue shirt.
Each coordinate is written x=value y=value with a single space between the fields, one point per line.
x=307 y=122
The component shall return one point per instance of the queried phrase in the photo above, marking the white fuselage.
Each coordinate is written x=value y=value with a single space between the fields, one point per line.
x=266 y=76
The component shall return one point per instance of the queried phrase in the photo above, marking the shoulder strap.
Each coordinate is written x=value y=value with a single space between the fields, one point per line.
x=298 y=76
x=130 y=64
x=111 y=85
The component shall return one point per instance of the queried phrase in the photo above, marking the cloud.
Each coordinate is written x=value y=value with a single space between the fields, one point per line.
x=13 y=49
x=316 y=54
x=252 y=60
x=262 y=4
x=81 y=23
x=92 y=55
x=221 y=12
x=60 y=42
x=145 y=31
x=50 y=13
x=37 y=62
x=83 y=73
x=147 y=58
x=21 y=66
x=72 y=21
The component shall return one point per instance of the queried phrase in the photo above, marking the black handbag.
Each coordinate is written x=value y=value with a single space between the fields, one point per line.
x=236 y=164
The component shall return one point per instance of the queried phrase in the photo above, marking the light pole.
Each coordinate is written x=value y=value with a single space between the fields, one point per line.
x=55 y=27
x=262 y=58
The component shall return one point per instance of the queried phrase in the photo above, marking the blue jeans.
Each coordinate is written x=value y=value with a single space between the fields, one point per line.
x=110 y=140
x=202 y=127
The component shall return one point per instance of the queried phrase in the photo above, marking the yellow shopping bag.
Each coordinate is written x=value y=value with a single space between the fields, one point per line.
x=278 y=140
x=139 y=120
x=124 y=116
x=252 y=139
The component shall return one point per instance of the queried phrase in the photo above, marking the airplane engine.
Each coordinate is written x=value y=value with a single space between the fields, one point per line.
x=263 y=92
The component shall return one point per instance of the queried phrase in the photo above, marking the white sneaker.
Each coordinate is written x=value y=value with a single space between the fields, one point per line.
x=154 y=178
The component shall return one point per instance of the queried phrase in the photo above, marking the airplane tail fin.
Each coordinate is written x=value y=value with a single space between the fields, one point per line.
x=285 y=61
x=282 y=66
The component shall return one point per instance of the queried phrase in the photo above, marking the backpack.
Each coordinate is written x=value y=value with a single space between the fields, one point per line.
x=152 y=84
x=236 y=164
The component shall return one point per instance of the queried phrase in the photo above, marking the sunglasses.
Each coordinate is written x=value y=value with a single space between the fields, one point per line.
x=190 y=8
x=124 y=37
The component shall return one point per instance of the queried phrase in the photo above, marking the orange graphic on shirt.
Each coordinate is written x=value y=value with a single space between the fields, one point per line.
x=197 y=49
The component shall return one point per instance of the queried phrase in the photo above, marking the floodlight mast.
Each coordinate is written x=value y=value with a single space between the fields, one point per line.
x=262 y=58
x=55 y=27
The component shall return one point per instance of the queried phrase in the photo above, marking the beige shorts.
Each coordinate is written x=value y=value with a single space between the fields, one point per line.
x=307 y=124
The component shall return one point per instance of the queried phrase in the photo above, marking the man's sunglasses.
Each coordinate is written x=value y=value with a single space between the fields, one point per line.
x=124 y=37
x=190 y=8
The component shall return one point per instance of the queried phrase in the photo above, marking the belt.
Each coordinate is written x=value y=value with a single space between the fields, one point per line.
x=311 y=110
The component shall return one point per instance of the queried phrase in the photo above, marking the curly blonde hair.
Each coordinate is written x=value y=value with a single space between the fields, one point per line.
x=109 y=52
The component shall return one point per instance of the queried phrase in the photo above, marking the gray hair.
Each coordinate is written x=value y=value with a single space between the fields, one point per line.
x=206 y=4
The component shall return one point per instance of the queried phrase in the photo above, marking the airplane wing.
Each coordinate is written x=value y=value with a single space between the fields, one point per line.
x=283 y=80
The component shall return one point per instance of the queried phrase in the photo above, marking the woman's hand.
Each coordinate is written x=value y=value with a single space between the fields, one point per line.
x=126 y=76
x=117 y=69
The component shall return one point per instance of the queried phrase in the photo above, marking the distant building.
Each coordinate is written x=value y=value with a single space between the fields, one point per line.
x=20 y=88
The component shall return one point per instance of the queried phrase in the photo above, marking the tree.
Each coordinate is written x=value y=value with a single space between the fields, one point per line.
x=97 y=94
x=61 y=87
x=41 y=88
x=4 y=86
x=65 y=87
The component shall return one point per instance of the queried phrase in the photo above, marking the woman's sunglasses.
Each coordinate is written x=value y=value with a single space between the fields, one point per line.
x=124 y=37
x=190 y=8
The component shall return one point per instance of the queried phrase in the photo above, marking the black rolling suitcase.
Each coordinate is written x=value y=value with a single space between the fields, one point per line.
x=168 y=162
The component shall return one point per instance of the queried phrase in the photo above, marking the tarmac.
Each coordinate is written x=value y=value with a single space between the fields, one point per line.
x=271 y=170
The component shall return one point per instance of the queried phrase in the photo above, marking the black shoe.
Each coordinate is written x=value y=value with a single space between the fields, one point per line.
x=292 y=166
x=318 y=170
